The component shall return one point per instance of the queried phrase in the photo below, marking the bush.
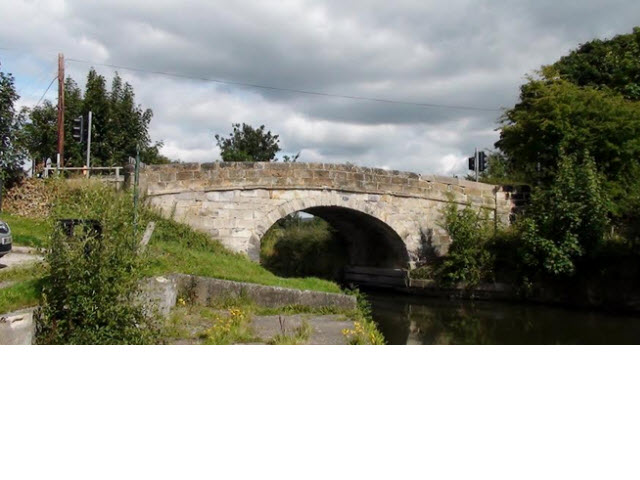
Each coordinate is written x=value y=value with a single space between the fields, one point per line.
x=468 y=260
x=566 y=221
x=90 y=292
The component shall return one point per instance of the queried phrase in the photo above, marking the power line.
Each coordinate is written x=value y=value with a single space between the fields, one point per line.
x=283 y=89
x=45 y=92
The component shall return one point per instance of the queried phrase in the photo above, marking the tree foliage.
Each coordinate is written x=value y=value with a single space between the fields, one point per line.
x=468 y=260
x=248 y=144
x=555 y=117
x=613 y=64
x=566 y=221
x=90 y=294
x=119 y=125
x=11 y=154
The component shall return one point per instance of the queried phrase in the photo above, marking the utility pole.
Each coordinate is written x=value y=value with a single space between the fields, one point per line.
x=61 y=109
x=89 y=146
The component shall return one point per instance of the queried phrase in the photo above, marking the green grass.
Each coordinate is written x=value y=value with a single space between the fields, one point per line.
x=27 y=232
x=22 y=294
x=176 y=248
x=24 y=286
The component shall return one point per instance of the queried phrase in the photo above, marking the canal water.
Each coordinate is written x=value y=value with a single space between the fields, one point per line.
x=406 y=319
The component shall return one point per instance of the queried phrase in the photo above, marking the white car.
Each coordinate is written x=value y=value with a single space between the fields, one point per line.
x=5 y=238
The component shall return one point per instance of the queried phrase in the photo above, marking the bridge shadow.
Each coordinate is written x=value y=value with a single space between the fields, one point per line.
x=354 y=246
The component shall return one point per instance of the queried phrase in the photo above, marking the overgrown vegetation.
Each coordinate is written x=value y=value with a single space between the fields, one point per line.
x=567 y=221
x=469 y=261
x=298 y=336
x=93 y=272
x=365 y=330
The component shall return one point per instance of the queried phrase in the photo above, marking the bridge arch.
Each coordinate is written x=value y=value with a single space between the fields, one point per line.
x=371 y=240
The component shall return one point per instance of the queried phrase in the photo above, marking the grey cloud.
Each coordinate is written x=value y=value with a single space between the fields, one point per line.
x=459 y=52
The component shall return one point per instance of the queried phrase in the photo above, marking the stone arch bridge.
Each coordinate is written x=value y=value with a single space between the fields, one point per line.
x=389 y=219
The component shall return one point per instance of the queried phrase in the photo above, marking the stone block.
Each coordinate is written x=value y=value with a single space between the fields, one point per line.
x=17 y=328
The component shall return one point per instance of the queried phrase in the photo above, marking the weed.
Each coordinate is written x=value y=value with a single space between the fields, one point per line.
x=298 y=336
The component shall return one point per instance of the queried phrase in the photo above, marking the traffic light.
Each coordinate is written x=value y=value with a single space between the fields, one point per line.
x=472 y=163
x=482 y=161
x=78 y=129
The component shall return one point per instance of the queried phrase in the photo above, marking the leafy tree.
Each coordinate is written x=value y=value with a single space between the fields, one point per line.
x=40 y=134
x=74 y=152
x=613 y=64
x=498 y=170
x=556 y=117
x=11 y=153
x=248 y=144
x=567 y=221
x=96 y=100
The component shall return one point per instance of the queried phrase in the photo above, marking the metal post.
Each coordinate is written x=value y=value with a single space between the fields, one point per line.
x=89 y=146
x=476 y=162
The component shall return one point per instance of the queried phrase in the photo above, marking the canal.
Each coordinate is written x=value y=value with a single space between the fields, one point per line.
x=407 y=319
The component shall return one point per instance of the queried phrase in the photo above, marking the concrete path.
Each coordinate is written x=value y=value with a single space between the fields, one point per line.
x=325 y=329
x=15 y=259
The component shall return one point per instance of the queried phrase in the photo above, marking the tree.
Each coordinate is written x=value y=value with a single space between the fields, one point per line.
x=74 y=152
x=248 y=144
x=11 y=153
x=555 y=117
x=96 y=100
x=40 y=134
x=613 y=64
x=567 y=221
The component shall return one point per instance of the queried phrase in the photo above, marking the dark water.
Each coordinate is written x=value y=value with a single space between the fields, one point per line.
x=405 y=319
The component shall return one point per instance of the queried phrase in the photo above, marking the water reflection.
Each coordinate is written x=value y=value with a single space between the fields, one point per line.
x=409 y=320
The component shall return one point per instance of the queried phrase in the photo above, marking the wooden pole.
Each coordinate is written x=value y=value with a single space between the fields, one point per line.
x=61 y=108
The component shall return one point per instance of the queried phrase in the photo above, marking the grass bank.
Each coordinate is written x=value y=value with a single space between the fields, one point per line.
x=176 y=248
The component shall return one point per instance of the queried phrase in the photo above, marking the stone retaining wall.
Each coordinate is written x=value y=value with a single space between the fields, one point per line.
x=161 y=293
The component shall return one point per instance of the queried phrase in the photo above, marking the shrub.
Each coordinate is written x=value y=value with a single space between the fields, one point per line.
x=468 y=259
x=92 y=282
x=566 y=221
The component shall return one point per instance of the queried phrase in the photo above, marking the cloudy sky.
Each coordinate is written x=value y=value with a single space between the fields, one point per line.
x=452 y=53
